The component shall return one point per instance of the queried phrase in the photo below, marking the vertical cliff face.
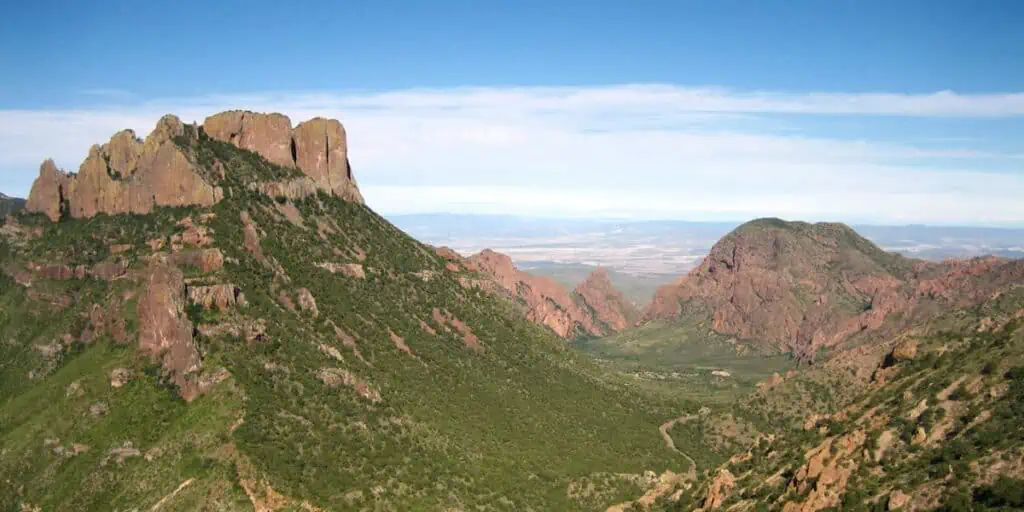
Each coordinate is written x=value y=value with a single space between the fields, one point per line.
x=595 y=308
x=318 y=147
x=599 y=295
x=129 y=175
x=321 y=151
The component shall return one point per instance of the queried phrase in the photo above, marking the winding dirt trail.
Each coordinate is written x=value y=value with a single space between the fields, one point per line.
x=665 y=427
x=668 y=481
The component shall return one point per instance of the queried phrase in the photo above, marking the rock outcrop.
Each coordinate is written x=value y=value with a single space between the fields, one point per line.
x=317 y=147
x=130 y=175
x=595 y=308
x=546 y=302
x=125 y=175
x=270 y=135
x=598 y=294
x=321 y=151
x=49 y=191
x=165 y=333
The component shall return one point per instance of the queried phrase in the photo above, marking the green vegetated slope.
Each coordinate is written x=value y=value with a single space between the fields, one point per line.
x=369 y=403
x=937 y=428
x=685 y=357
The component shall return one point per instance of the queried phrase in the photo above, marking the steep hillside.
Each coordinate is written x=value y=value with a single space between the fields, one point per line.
x=271 y=343
x=936 y=428
x=800 y=287
x=594 y=308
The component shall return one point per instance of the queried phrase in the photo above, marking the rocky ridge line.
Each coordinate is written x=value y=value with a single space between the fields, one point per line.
x=595 y=308
x=131 y=175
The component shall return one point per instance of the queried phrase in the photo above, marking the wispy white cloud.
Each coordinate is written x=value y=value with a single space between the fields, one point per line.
x=632 y=150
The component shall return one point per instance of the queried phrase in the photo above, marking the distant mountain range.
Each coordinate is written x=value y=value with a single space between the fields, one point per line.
x=670 y=245
x=10 y=204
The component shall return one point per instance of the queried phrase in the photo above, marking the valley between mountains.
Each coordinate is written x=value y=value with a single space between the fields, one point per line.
x=211 y=318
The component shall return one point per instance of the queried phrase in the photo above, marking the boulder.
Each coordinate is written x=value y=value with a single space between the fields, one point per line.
x=119 y=377
x=307 y=302
x=898 y=499
x=905 y=351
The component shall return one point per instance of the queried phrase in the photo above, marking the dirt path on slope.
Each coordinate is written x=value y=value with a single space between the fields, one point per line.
x=665 y=427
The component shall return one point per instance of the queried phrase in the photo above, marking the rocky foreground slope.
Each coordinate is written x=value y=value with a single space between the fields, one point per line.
x=799 y=287
x=253 y=337
x=936 y=427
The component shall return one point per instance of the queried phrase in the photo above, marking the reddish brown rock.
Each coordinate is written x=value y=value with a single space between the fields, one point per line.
x=794 y=286
x=800 y=287
x=317 y=147
x=125 y=175
x=269 y=135
x=165 y=333
x=220 y=296
x=607 y=302
x=108 y=271
x=545 y=301
x=321 y=151
x=49 y=191
x=719 y=490
x=905 y=351
x=251 y=237
x=445 y=319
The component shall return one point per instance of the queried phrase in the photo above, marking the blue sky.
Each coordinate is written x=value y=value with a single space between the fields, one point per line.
x=863 y=111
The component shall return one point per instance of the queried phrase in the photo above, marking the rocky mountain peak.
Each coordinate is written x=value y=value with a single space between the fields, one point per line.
x=132 y=175
x=318 y=147
x=594 y=308
x=609 y=306
x=798 y=287
x=792 y=285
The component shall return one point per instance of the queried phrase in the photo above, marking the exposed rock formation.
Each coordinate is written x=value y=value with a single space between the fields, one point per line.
x=130 y=175
x=321 y=151
x=270 y=135
x=318 y=147
x=546 y=302
x=164 y=331
x=221 y=296
x=789 y=284
x=599 y=295
x=719 y=490
x=125 y=175
x=800 y=287
x=49 y=191
x=594 y=308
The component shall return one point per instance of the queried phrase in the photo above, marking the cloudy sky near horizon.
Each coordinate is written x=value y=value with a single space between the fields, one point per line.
x=914 y=117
